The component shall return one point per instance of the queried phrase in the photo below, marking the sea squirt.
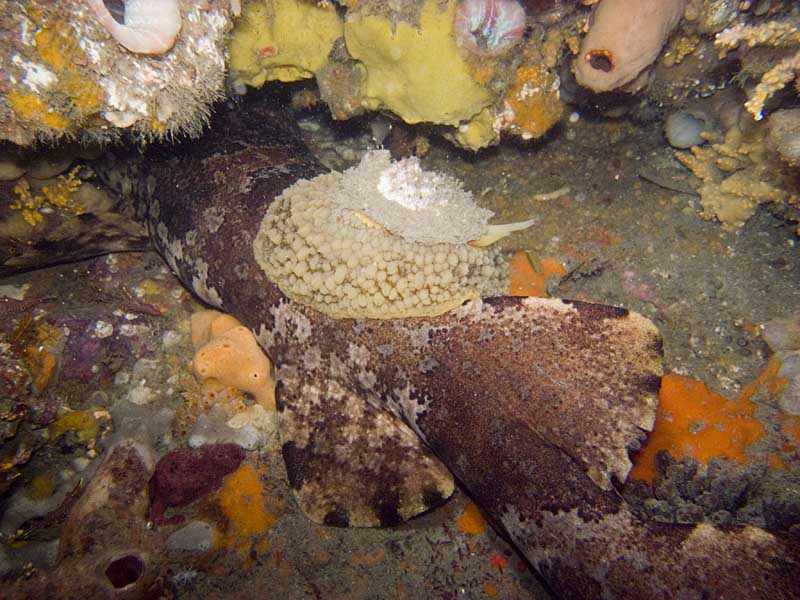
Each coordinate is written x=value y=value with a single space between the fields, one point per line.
x=491 y=26
x=187 y=474
x=150 y=26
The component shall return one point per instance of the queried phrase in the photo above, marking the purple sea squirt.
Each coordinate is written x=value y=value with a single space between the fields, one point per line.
x=187 y=474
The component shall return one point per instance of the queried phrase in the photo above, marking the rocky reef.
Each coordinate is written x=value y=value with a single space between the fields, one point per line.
x=66 y=75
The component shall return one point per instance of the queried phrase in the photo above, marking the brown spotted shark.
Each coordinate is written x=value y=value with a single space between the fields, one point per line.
x=532 y=404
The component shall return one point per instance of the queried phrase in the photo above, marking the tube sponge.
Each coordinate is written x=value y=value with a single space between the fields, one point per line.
x=624 y=38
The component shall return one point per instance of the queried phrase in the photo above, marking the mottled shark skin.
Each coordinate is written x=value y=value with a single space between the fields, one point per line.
x=533 y=404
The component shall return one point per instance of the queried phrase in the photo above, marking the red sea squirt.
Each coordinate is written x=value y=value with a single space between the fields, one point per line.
x=187 y=474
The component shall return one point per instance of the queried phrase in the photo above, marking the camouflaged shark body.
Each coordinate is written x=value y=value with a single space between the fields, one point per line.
x=531 y=403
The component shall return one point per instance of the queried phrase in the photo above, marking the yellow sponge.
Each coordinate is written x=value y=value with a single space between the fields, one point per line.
x=228 y=353
x=283 y=40
x=417 y=72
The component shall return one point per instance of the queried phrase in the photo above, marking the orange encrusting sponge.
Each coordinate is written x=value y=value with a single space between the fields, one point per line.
x=471 y=520
x=244 y=503
x=527 y=281
x=694 y=421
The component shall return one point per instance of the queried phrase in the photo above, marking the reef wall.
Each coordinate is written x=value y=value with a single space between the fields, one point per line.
x=63 y=74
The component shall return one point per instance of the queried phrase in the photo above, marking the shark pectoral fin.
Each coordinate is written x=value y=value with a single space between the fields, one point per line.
x=350 y=464
x=583 y=377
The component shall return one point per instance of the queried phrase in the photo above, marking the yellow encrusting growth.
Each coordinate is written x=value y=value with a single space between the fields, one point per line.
x=283 y=40
x=697 y=422
x=50 y=47
x=80 y=96
x=32 y=108
x=57 y=195
x=532 y=104
x=471 y=520
x=478 y=132
x=529 y=277
x=416 y=71
x=83 y=422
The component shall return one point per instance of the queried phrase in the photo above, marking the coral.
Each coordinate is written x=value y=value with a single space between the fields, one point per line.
x=187 y=474
x=228 y=353
x=62 y=75
x=415 y=70
x=783 y=34
x=489 y=25
x=737 y=174
x=381 y=240
x=624 y=39
x=694 y=421
x=265 y=45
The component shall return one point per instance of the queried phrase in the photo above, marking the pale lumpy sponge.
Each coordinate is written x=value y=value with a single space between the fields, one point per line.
x=382 y=240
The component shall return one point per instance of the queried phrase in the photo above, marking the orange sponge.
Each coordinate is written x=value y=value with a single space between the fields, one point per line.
x=244 y=504
x=526 y=280
x=228 y=353
x=471 y=519
x=695 y=421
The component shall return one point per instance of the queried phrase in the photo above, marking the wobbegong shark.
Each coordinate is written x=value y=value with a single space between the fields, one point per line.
x=532 y=404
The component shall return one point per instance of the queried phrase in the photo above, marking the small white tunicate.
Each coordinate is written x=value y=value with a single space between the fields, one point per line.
x=684 y=129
